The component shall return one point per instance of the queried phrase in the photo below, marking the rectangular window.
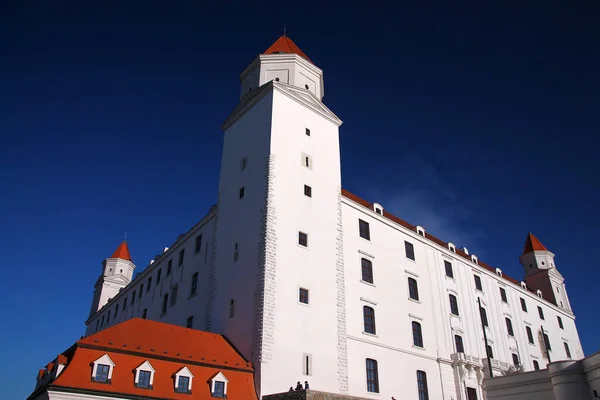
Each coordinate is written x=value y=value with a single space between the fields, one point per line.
x=536 y=365
x=453 y=304
x=102 y=373
x=306 y=364
x=181 y=255
x=541 y=312
x=523 y=304
x=503 y=295
x=194 y=287
x=449 y=271
x=158 y=274
x=190 y=322
x=417 y=334
x=410 y=250
x=478 y=282
x=133 y=298
x=529 y=335
x=490 y=352
x=483 y=314
x=509 y=327
x=372 y=376
x=116 y=310
x=567 y=350
x=307 y=131
x=422 y=385
x=173 y=295
x=183 y=383
x=413 y=289
x=369 y=320
x=303 y=295
x=149 y=284
x=236 y=252
x=165 y=303
x=102 y=323
x=219 y=389
x=302 y=239
x=306 y=161
x=108 y=317
x=141 y=291
x=515 y=359
x=458 y=341
x=471 y=393
x=547 y=342
x=242 y=189
x=97 y=325
x=169 y=267
x=198 y=243
x=231 y=308
x=244 y=163
x=125 y=304
x=367 y=270
x=144 y=379
x=307 y=191
x=145 y=313
x=560 y=324
x=363 y=229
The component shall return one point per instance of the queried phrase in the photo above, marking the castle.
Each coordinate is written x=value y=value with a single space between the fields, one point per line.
x=311 y=282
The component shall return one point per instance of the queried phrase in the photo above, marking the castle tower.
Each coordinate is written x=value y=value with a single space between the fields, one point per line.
x=117 y=272
x=278 y=239
x=541 y=273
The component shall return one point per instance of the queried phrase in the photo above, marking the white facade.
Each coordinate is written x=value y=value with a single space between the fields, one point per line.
x=280 y=140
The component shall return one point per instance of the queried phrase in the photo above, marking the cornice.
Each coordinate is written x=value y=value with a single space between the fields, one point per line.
x=246 y=104
x=292 y=92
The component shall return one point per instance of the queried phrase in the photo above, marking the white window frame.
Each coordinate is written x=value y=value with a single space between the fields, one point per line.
x=105 y=360
x=145 y=366
x=219 y=377
x=185 y=372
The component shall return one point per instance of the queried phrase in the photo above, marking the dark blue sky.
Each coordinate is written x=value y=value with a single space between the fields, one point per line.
x=478 y=122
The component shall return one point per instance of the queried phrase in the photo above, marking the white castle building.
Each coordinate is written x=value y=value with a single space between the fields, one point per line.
x=313 y=283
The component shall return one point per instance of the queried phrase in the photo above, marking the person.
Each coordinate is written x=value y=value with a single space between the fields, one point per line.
x=306 y=387
x=291 y=388
x=298 y=386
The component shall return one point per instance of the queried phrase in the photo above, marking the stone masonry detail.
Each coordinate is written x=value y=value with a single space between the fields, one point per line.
x=342 y=346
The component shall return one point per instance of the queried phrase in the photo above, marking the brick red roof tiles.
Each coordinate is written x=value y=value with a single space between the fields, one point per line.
x=285 y=45
x=122 y=252
x=533 y=244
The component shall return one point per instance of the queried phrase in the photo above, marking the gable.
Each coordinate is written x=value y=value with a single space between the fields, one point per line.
x=308 y=99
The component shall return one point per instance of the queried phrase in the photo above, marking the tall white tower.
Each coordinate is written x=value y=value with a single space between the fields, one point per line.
x=117 y=272
x=278 y=278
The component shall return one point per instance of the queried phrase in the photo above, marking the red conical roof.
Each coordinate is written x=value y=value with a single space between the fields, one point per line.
x=533 y=244
x=285 y=45
x=122 y=252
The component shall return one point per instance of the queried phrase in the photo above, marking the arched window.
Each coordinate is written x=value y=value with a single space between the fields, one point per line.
x=417 y=334
x=529 y=335
x=372 y=376
x=413 y=289
x=509 y=327
x=484 y=319
x=369 y=319
x=453 y=304
x=367 y=270
x=458 y=340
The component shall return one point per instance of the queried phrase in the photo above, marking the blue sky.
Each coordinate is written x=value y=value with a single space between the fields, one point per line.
x=479 y=123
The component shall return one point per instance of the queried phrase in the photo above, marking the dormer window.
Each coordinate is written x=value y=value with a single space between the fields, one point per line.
x=523 y=285
x=144 y=376
x=451 y=247
x=539 y=294
x=378 y=208
x=498 y=272
x=102 y=369
x=474 y=259
x=421 y=231
x=218 y=386
x=183 y=381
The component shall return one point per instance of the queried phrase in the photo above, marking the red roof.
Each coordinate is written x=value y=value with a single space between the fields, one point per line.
x=168 y=348
x=122 y=252
x=285 y=45
x=533 y=244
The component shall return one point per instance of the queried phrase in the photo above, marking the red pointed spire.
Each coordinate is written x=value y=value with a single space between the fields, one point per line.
x=533 y=244
x=122 y=252
x=285 y=45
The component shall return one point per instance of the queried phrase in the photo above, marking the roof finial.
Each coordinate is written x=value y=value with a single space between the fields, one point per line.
x=125 y=238
x=284 y=31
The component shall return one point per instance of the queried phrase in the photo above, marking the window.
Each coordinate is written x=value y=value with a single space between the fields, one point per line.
x=523 y=304
x=307 y=191
x=515 y=359
x=410 y=250
x=567 y=351
x=547 y=342
x=367 y=270
x=125 y=304
x=372 y=376
x=181 y=255
x=306 y=161
x=541 y=312
x=449 y=271
x=198 y=243
x=174 y=290
x=102 y=373
x=422 y=385
x=453 y=304
x=102 y=323
x=458 y=341
x=369 y=320
x=490 y=351
x=560 y=324
x=483 y=313
x=141 y=291
x=509 y=327
x=169 y=267
x=165 y=303
x=97 y=324
x=303 y=296
x=417 y=334
x=529 y=335
x=242 y=192
x=363 y=229
x=306 y=364
x=236 y=252
x=503 y=295
x=244 y=163
x=478 y=282
x=116 y=310
x=158 y=274
x=183 y=384
x=194 y=287
x=303 y=239
x=144 y=313
x=108 y=317
x=149 y=284
x=413 y=289
x=536 y=365
x=421 y=233
x=133 y=298
x=231 y=308
x=190 y=322
x=307 y=131
x=219 y=389
x=144 y=380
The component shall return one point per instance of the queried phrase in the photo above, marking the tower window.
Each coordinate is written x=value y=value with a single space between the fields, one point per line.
x=547 y=342
x=422 y=385
x=141 y=291
x=490 y=351
x=181 y=256
x=509 y=327
x=529 y=335
x=236 y=252
x=165 y=303
x=503 y=295
x=369 y=320
x=417 y=334
x=363 y=229
x=413 y=289
x=523 y=304
x=536 y=365
x=367 y=270
x=453 y=304
x=244 y=163
x=133 y=298
x=149 y=284
x=231 y=308
x=276 y=79
x=144 y=313
x=174 y=291
x=307 y=131
x=478 y=282
x=303 y=295
x=458 y=341
x=567 y=350
x=194 y=286
x=198 y=243
x=515 y=359
x=449 y=271
x=306 y=364
x=372 y=376
x=306 y=161
x=410 y=250
x=242 y=192
x=307 y=191
x=484 y=319
x=541 y=312
x=303 y=239
x=560 y=324
x=169 y=267
x=158 y=273
x=190 y=322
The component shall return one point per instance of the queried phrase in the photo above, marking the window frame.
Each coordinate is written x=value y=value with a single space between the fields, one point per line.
x=183 y=384
x=503 y=295
x=142 y=384
x=459 y=340
x=366 y=267
x=417 y=334
x=409 y=250
x=194 y=285
x=529 y=332
x=478 y=282
x=523 y=304
x=483 y=317
x=198 y=246
x=449 y=269
x=364 y=229
x=302 y=239
x=509 y=327
x=560 y=323
x=372 y=372
x=104 y=379
x=369 y=323
x=303 y=294
x=541 y=313
x=422 y=389
x=453 y=304
x=413 y=288
x=307 y=191
x=221 y=392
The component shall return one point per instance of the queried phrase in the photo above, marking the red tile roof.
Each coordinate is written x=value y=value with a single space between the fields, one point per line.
x=168 y=348
x=533 y=244
x=122 y=252
x=285 y=45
